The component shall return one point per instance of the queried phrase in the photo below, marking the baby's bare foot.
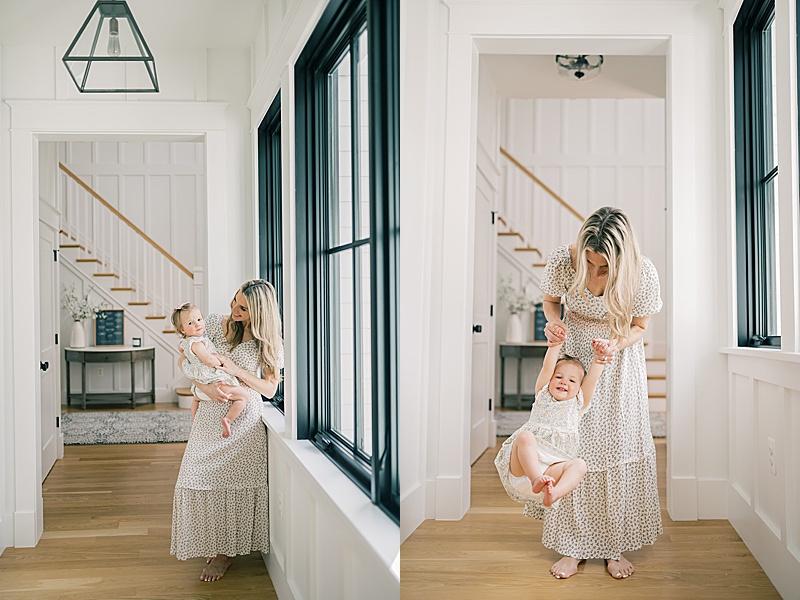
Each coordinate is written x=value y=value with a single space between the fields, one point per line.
x=549 y=494
x=215 y=568
x=226 y=427
x=541 y=482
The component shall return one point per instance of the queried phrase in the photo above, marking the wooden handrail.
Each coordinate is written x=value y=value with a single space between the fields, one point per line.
x=527 y=172
x=125 y=220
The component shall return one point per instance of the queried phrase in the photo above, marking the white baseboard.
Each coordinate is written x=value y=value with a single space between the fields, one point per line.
x=779 y=563
x=712 y=498
x=6 y=532
x=449 y=499
x=412 y=511
x=25 y=529
x=682 y=498
x=278 y=577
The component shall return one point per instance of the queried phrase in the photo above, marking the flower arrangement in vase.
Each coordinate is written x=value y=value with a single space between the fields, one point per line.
x=516 y=301
x=79 y=309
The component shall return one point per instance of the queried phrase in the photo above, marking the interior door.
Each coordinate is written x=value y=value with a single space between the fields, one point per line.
x=482 y=327
x=49 y=358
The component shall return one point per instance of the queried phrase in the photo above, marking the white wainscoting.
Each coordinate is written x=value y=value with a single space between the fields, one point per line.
x=327 y=540
x=764 y=507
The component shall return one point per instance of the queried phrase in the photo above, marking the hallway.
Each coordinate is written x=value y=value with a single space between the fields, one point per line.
x=495 y=552
x=108 y=513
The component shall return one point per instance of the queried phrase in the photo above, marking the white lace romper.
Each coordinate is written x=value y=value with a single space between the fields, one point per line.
x=196 y=370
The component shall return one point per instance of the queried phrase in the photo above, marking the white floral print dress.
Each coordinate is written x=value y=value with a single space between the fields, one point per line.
x=555 y=425
x=615 y=507
x=221 y=501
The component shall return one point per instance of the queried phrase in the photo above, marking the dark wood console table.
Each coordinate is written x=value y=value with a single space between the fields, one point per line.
x=519 y=351
x=99 y=354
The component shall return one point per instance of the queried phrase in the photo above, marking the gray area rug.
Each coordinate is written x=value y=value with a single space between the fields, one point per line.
x=508 y=421
x=123 y=427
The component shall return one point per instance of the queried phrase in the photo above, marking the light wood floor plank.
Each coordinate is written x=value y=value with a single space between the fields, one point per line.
x=107 y=528
x=495 y=552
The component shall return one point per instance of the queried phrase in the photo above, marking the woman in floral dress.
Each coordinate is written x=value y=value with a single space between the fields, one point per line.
x=221 y=503
x=610 y=292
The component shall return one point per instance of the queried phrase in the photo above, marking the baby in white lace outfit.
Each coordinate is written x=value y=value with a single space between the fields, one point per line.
x=201 y=362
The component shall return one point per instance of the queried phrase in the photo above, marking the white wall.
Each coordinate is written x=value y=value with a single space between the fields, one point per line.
x=327 y=539
x=764 y=399
x=437 y=170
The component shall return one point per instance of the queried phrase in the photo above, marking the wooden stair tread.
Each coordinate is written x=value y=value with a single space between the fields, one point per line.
x=122 y=289
x=87 y=260
x=104 y=275
x=656 y=376
x=508 y=233
x=168 y=331
x=656 y=395
x=655 y=358
x=156 y=317
x=528 y=249
x=184 y=391
x=138 y=303
x=70 y=246
x=539 y=265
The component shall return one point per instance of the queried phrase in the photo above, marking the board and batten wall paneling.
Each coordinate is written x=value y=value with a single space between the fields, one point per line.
x=592 y=153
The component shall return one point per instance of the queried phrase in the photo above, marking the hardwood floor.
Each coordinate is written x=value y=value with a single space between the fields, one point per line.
x=495 y=552
x=108 y=514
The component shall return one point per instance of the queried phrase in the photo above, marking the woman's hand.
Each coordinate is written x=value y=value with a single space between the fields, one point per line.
x=604 y=351
x=556 y=332
x=218 y=392
x=228 y=366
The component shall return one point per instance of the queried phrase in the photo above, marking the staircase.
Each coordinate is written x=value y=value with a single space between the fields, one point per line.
x=121 y=263
x=527 y=213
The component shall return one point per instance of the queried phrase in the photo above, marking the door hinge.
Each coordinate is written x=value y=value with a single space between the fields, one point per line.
x=490 y=404
x=491 y=310
x=55 y=255
x=58 y=422
x=56 y=339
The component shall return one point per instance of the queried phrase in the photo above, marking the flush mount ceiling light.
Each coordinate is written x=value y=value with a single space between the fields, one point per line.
x=583 y=67
x=109 y=54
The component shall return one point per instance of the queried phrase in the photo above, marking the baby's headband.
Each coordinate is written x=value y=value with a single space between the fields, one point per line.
x=182 y=305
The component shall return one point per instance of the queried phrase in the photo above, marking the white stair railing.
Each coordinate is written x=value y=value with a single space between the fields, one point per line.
x=118 y=247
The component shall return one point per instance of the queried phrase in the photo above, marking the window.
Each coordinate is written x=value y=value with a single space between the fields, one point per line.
x=756 y=175
x=347 y=95
x=270 y=238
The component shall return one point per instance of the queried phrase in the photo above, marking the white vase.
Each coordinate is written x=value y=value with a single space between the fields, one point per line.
x=77 y=338
x=514 y=329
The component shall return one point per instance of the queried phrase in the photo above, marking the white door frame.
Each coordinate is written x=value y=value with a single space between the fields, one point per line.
x=655 y=29
x=34 y=121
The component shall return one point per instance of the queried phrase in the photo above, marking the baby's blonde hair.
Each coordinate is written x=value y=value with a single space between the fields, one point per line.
x=608 y=233
x=176 y=316
x=572 y=360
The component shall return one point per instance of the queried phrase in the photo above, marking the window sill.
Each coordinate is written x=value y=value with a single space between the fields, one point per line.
x=369 y=522
x=763 y=352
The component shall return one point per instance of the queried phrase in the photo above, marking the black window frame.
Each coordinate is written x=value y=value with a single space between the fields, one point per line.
x=341 y=22
x=270 y=213
x=755 y=244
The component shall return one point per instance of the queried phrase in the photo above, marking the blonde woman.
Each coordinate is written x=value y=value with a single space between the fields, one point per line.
x=610 y=292
x=220 y=507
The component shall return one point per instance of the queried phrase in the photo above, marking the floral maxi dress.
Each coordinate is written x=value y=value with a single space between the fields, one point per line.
x=615 y=508
x=221 y=501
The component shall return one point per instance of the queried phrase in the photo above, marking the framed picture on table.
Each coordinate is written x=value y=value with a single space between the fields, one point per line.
x=109 y=327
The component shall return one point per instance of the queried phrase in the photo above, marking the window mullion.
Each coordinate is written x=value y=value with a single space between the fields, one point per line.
x=355 y=157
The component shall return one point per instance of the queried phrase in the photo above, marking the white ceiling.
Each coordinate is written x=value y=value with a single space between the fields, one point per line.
x=536 y=76
x=164 y=23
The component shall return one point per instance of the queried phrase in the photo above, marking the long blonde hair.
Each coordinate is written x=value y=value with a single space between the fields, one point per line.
x=265 y=325
x=608 y=233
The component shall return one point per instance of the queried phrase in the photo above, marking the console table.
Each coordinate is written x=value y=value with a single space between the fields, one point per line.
x=99 y=354
x=518 y=351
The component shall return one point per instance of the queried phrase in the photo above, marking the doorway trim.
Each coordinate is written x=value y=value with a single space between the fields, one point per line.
x=34 y=121
x=480 y=28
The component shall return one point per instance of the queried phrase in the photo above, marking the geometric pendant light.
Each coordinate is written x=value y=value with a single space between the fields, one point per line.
x=581 y=67
x=109 y=53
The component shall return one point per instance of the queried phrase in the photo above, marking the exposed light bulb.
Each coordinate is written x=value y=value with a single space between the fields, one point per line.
x=113 y=37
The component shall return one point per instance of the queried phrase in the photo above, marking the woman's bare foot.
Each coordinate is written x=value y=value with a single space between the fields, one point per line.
x=215 y=568
x=540 y=482
x=566 y=567
x=226 y=427
x=620 y=569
